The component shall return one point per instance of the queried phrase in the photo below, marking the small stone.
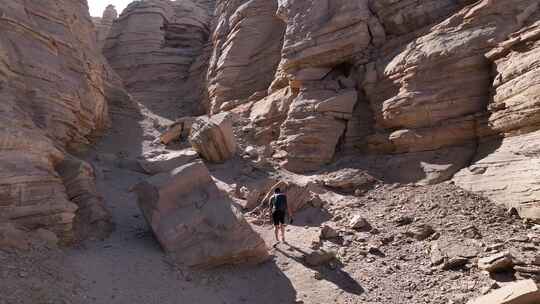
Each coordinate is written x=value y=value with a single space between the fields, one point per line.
x=454 y=263
x=404 y=220
x=420 y=232
x=319 y=257
x=496 y=263
x=359 y=223
x=328 y=232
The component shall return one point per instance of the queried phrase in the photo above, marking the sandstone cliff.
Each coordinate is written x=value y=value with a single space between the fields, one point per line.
x=103 y=24
x=414 y=92
x=52 y=87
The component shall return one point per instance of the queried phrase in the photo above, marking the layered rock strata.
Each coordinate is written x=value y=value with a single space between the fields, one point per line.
x=417 y=91
x=247 y=44
x=103 y=25
x=196 y=222
x=155 y=46
x=52 y=87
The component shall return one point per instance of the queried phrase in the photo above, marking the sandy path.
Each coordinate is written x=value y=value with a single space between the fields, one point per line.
x=129 y=266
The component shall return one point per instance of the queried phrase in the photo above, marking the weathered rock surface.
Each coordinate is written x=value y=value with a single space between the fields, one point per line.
x=92 y=219
x=348 y=180
x=503 y=261
x=103 y=25
x=155 y=46
x=213 y=137
x=195 y=222
x=269 y=113
x=168 y=161
x=315 y=123
x=246 y=51
x=506 y=171
x=323 y=33
x=53 y=86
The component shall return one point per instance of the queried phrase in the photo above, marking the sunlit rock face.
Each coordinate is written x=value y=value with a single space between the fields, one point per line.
x=52 y=88
x=154 y=46
x=415 y=91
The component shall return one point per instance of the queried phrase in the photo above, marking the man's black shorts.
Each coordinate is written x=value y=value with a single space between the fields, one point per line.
x=278 y=217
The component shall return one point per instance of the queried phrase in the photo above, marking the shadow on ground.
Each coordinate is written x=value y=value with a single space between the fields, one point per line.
x=337 y=276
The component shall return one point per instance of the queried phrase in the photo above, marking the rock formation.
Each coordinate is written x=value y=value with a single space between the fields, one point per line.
x=246 y=51
x=53 y=85
x=103 y=25
x=213 y=137
x=154 y=46
x=424 y=89
x=195 y=222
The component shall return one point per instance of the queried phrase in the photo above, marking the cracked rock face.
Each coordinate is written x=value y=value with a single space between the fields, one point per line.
x=52 y=92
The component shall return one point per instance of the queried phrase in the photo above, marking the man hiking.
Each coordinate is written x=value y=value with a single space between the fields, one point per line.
x=278 y=209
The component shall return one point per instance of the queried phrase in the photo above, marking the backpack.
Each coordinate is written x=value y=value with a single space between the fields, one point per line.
x=280 y=202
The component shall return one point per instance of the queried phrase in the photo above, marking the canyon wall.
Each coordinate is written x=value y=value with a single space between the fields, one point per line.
x=103 y=25
x=155 y=47
x=412 y=91
x=53 y=104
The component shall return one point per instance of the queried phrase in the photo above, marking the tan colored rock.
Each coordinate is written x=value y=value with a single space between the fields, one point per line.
x=268 y=114
x=314 y=126
x=517 y=84
x=246 y=51
x=53 y=85
x=506 y=172
x=180 y=129
x=195 y=222
x=502 y=261
x=92 y=219
x=156 y=47
x=412 y=87
x=520 y=292
x=323 y=33
x=403 y=17
x=168 y=161
x=213 y=137
x=358 y=222
x=348 y=179
x=103 y=25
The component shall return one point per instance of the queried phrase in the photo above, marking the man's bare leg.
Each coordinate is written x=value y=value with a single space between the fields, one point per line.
x=276 y=233
x=283 y=233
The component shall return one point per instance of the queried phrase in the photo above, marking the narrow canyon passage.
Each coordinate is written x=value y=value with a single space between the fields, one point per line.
x=130 y=266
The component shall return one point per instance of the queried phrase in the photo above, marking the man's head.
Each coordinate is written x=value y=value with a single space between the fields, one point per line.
x=277 y=190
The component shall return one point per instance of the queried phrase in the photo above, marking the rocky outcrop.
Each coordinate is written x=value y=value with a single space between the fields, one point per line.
x=213 y=137
x=154 y=46
x=314 y=126
x=53 y=90
x=505 y=170
x=195 y=222
x=103 y=25
x=412 y=92
x=246 y=51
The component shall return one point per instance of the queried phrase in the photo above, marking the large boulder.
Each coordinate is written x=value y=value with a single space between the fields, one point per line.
x=195 y=222
x=213 y=137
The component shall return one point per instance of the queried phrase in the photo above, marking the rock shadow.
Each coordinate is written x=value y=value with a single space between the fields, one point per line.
x=311 y=217
x=337 y=276
x=262 y=284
